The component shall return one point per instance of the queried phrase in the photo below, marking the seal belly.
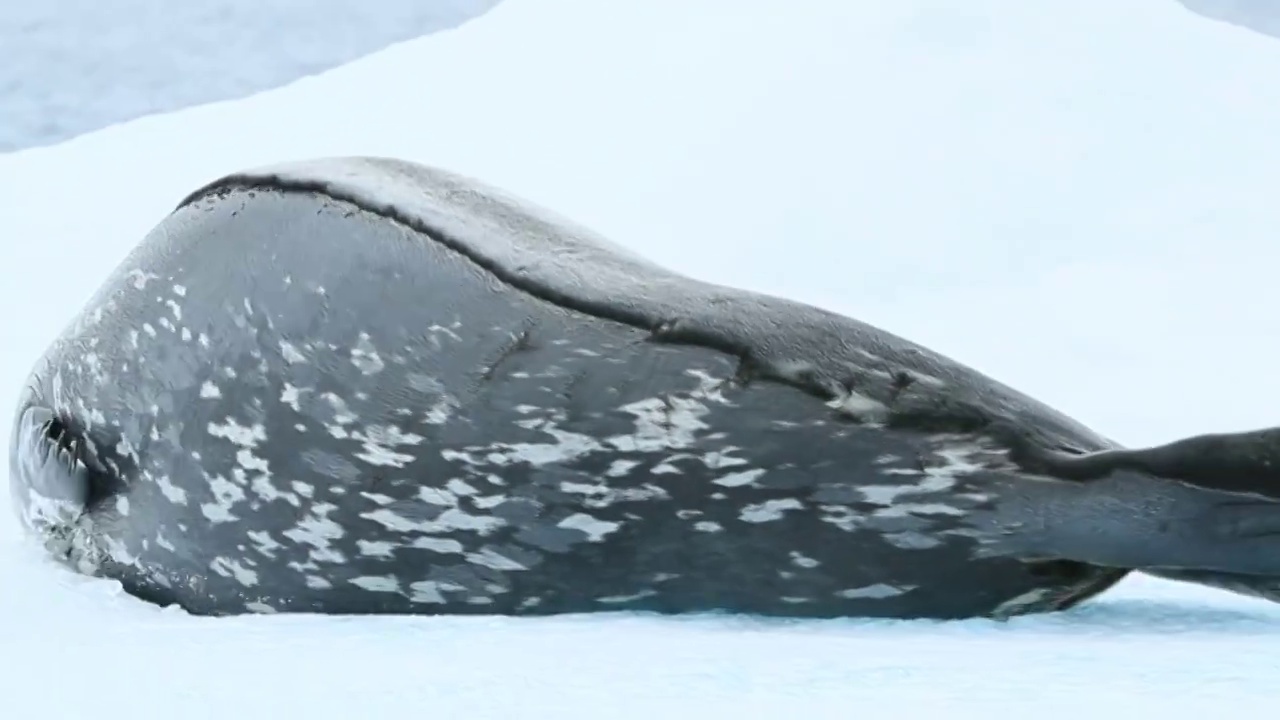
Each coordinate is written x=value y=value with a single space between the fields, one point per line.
x=307 y=406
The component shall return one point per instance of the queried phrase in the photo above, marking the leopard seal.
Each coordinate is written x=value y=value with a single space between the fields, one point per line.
x=364 y=385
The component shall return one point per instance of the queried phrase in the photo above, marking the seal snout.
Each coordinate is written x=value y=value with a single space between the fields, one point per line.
x=51 y=481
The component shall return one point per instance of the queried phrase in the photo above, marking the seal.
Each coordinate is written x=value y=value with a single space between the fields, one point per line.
x=363 y=385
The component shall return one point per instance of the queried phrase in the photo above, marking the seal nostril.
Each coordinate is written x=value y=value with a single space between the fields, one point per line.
x=53 y=463
x=59 y=436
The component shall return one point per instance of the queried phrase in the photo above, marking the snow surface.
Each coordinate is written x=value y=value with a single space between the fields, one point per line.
x=1074 y=196
x=71 y=66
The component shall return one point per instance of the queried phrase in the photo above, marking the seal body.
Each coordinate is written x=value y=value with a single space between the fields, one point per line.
x=360 y=385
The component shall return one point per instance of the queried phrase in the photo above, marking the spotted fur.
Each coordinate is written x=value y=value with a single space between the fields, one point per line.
x=364 y=386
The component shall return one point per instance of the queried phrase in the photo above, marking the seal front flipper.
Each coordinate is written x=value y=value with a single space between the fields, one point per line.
x=1209 y=504
x=48 y=463
x=1244 y=462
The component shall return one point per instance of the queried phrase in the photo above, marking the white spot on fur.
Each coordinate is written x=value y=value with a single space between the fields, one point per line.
x=768 y=510
x=291 y=353
x=342 y=414
x=244 y=436
x=738 y=479
x=426 y=591
x=861 y=407
x=662 y=424
x=707 y=526
x=722 y=459
x=225 y=494
x=263 y=542
x=318 y=531
x=209 y=391
x=492 y=559
x=889 y=494
x=378 y=441
x=621 y=468
x=460 y=487
x=437 y=544
x=376 y=548
x=595 y=528
x=227 y=567
x=487 y=502
x=840 y=516
x=449 y=521
x=801 y=560
x=568 y=446
x=599 y=496
x=290 y=395
x=911 y=540
x=904 y=509
x=377 y=583
x=878 y=591
x=365 y=357
x=380 y=456
x=436 y=496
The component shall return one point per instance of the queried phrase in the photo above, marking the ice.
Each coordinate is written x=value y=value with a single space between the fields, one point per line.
x=73 y=66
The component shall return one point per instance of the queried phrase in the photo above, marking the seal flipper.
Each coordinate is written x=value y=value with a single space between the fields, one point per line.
x=1203 y=506
x=1244 y=462
x=49 y=466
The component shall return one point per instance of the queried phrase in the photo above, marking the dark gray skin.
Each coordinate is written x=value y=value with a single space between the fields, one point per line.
x=366 y=386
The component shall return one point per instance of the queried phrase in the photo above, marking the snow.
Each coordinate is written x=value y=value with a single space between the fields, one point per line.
x=1074 y=196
